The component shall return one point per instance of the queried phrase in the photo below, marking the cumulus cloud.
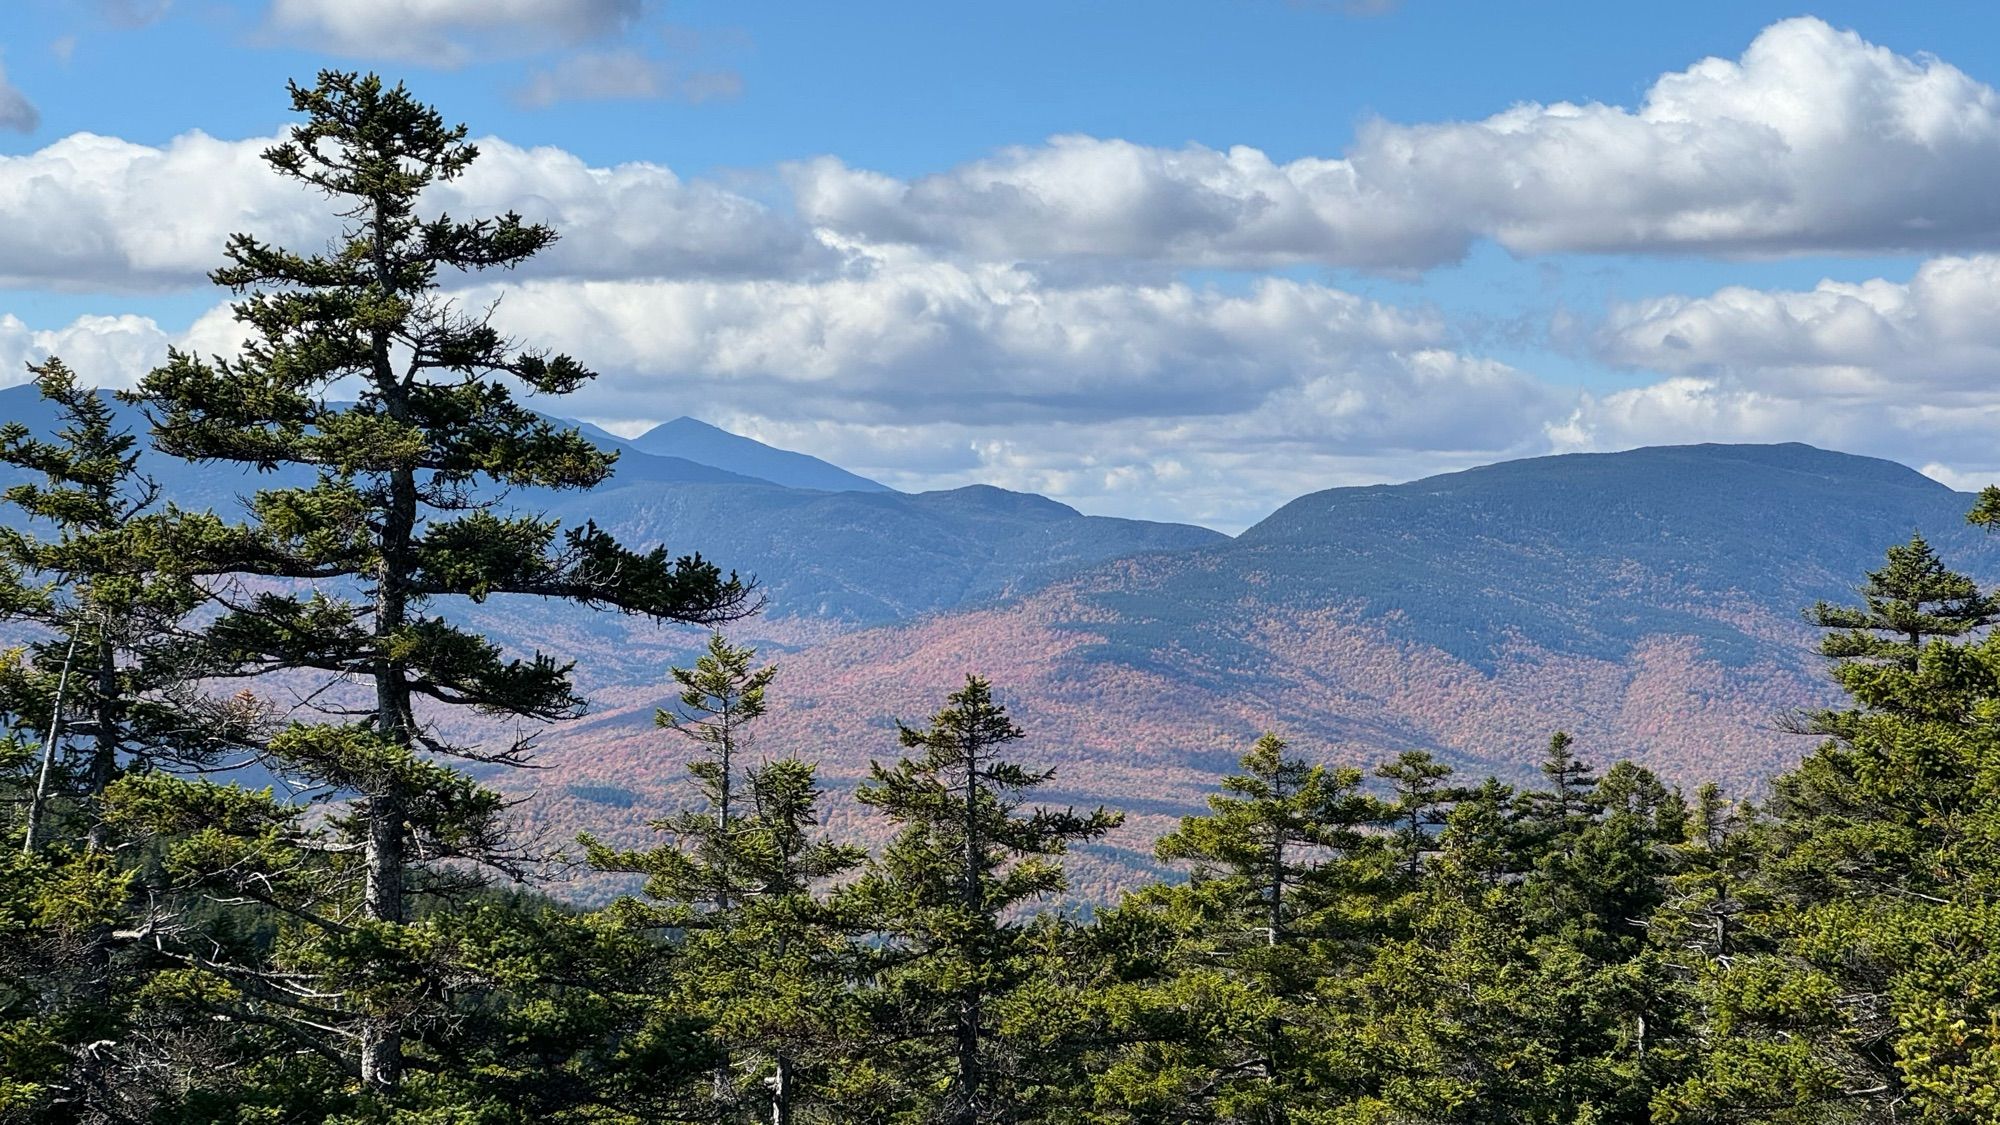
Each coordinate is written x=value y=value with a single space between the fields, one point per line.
x=105 y=351
x=93 y=212
x=447 y=32
x=1166 y=401
x=624 y=75
x=1138 y=399
x=928 y=340
x=1900 y=369
x=17 y=113
x=1938 y=333
x=1814 y=140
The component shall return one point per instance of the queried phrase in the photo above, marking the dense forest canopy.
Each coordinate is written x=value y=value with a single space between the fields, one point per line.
x=363 y=940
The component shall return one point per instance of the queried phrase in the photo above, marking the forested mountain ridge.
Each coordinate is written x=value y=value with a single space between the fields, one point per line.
x=1649 y=601
x=842 y=552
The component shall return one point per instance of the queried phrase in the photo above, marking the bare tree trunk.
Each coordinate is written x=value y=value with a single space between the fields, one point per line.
x=385 y=848
x=104 y=754
x=41 y=793
x=781 y=1091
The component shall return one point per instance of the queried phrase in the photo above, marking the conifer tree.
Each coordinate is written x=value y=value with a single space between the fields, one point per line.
x=718 y=698
x=87 y=568
x=1913 y=598
x=1286 y=875
x=1420 y=804
x=1523 y=989
x=1848 y=969
x=1562 y=808
x=942 y=901
x=764 y=958
x=95 y=697
x=405 y=409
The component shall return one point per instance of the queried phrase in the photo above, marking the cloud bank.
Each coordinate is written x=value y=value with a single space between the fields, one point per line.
x=1814 y=141
x=1027 y=319
x=97 y=213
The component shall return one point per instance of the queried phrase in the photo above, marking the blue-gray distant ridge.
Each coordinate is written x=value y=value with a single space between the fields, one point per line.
x=695 y=440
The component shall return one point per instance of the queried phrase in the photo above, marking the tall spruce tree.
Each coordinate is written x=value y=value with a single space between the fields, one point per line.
x=943 y=901
x=763 y=957
x=405 y=409
x=1287 y=874
x=1851 y=973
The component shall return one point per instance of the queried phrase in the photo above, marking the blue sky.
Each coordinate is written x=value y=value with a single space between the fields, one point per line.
x=1182 y=260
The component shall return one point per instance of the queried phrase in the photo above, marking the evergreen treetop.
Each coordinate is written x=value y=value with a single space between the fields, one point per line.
x=406 y=409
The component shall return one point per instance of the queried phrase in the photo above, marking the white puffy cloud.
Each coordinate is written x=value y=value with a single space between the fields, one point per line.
x=447 y=32
x=94 y=212
x=1899 y=369
x=105 y=351
x=1938 y=333
x=1813 y=141
x=17 y=113
x=1161 y=400
x=926 y=340
x=1164 y=401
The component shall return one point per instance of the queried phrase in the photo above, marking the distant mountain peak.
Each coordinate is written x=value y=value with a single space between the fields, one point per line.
x=1733 y=495
x=695 y=440
x=995 y=498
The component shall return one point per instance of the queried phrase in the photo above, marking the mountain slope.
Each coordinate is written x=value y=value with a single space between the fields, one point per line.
x=874 y=557
x=1649 y=602
x=840 y=558
x=698 y=441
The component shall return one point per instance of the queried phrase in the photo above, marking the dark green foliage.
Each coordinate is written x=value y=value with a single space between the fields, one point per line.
x=941 y=903
x=1286 y=892
x=1907 y=602
x=1843 y=939
x=402 y=414
x=760 y=960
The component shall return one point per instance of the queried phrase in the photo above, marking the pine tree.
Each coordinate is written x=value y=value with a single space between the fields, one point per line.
x=718 y=697
x=1567 y=803
x=1848 y=971
x=1420 y=804
x=1913 y=598
x=1523 y=989
x=100 y=590
x=764 y=958
x=1286 y=880
x=942 y=901
x=405 y=409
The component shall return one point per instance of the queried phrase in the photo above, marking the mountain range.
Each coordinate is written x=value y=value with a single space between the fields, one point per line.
x=1646 y=601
